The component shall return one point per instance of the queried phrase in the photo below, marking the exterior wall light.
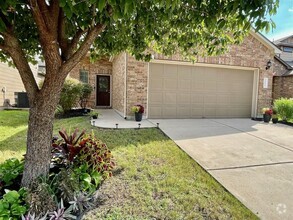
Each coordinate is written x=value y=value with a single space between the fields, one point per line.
x=269 y=64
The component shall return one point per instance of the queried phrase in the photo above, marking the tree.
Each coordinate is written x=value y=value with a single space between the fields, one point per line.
x=64 y=31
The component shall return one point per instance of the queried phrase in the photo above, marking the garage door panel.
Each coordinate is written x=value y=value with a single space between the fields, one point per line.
x=184 y=111
x=157 y=70
x=199 y=92
x=210 y=86
x=183 y=98
x=169 y=111
x=170 y=84
x=210 y=99
x=185 y=72
x=184 y=85
x=170 y=71
x=156 y=84
x=197 y=99
x=156 y=97
x=197 y=112
x=170 y=98
x=210 y=112
x=197 y=86
x=155 y=111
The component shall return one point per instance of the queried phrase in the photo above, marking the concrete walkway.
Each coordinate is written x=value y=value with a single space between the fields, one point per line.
x=253 y=160
x=109 y=118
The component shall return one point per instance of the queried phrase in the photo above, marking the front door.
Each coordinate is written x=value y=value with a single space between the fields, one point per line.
x=103 y=90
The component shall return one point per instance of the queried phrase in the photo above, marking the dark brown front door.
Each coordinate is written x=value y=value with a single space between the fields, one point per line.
x=103 y=90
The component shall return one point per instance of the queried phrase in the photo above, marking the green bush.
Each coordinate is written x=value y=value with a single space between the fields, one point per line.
x=70 y=94
x=10 y=170
x=284 y=108
x=86 y=90
x=13 y=206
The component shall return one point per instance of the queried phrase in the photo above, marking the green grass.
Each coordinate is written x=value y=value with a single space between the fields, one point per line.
x=154 y=179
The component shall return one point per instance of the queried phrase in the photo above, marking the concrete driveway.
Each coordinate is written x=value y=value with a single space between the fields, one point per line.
x=253 y=160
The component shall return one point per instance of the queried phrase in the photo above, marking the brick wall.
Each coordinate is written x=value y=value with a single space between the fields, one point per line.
x=137 y=78
x=118 y=91
x=279 y=68
x=251 y=53
x=103 y=67
x=283 y=87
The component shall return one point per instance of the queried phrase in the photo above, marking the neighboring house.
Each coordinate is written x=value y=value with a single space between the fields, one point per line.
x=236 y=84
x=286 y=46
x=11 y=84
x=283 y=79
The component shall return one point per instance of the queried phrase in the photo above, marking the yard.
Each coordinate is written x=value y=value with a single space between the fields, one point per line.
x=154 y=179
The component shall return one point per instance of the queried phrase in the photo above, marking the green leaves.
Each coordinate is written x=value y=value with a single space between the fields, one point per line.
x=10 y=170
x=134 y=26
x=101 y=4
x=12 y=206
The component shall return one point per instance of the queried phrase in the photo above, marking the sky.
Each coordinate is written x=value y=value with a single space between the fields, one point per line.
x=283 y=20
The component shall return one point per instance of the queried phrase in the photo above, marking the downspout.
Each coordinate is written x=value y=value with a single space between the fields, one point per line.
x=125 y=87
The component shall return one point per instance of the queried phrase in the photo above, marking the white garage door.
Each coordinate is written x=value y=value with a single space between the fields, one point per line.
x=178 y=91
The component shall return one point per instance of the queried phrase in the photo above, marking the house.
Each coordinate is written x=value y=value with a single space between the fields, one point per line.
x=11 y=85
x=283 y=79
x=286 y=46
x=283 y=65
x=236 y=84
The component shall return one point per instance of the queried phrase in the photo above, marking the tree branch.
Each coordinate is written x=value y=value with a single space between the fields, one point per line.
x=12 y=47
x=54 y=10
x=38 y=17
x=83 y=49
x=4 y=48
x=72 y=46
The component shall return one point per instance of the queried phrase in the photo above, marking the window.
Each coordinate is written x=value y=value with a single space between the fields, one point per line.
x=288 y=49
x=84 y=76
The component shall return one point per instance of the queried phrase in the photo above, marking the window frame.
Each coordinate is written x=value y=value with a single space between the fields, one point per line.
x=81 y=78
x=288 y=49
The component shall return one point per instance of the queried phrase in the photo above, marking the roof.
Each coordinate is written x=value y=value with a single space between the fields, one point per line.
x=289 y=68
x=265 y=41
x=279 y=41
x=286 y=64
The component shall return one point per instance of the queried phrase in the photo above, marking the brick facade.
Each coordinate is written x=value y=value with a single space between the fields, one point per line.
x=283 y=87
x=279 y=68
x=282 y=83
x=251 y=53
x=118 y=90
x=102 y=67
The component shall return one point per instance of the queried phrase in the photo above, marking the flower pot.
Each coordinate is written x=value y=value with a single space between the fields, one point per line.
x=138 y=116
x=266 y=118
x=275 y=120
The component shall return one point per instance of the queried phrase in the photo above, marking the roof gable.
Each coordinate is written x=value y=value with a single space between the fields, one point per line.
x=265 y=41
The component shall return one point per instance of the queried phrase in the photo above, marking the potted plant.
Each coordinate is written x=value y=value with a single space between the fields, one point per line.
x=267 y=114
x=138 y=110
x=94 y=114
x=275 y=116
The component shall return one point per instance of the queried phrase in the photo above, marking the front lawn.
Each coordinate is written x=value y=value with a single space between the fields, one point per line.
x=154 y=179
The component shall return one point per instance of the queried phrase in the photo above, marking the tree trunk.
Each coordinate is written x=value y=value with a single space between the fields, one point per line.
x=39 y=136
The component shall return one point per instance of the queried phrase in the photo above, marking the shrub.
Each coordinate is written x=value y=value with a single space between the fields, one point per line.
x=284 y=108
x=77 y=150
x=86 y=90
x=65 y=150
x=97 y=156
x=10 y=173
x=71 y=91
x=13 y=206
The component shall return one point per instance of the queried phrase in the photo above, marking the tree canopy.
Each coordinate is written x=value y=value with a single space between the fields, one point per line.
x=62 y=32
x=206 y=25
